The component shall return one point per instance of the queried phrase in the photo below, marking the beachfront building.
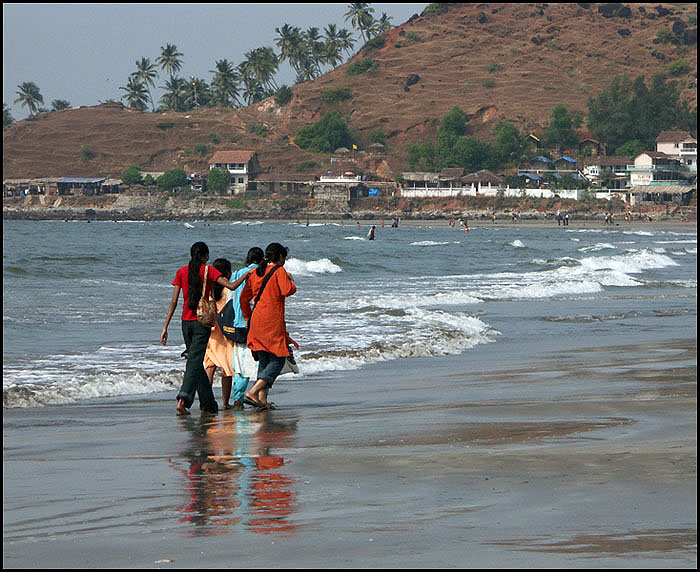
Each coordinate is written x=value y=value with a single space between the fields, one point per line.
x=242 y=165
x=680 y=145
x=655 y=168
x=608 y=171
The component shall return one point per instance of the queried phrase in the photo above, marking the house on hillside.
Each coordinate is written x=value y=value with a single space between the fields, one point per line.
x=284 y=183
x=680 y=145
x=243 y=166
x=589 y=146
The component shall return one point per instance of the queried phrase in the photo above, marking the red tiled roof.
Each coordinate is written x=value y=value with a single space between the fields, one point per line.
x=673 y=136
x=232 y=157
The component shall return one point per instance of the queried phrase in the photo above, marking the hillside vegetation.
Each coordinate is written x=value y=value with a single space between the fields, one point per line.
x=513 y=62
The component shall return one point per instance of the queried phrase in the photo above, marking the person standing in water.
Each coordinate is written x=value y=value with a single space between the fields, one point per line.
x=190 y=280
x=268 y=338
x=244 y=365
x=219 y=348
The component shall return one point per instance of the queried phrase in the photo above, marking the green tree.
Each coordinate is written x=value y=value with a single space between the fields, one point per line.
x=29 y=96
x=383 y=24
x=7 y=118
x=136 y=95
x=132 y=176
x=347 y=42
x=332 y=46
x=326 y=135
x=170 y=60
x=172 y=178
x=218 y=180
x=510 y=143
x=146 y=71
x=292 y=47
x=360 y=16
x=224 y=84
x=561 y=130
x=174 y=95
x=60 y=104
x=629 y=110
x=261 y=64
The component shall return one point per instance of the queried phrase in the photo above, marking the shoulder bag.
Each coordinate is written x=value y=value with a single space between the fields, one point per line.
x=206 y=309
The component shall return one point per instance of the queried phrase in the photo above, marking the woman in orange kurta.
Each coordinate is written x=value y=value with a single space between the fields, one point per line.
x=267 y=330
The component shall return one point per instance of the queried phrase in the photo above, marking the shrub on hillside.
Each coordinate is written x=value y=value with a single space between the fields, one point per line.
x=361 y=66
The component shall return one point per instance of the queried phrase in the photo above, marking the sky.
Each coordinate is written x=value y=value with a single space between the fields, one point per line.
x=83 y=53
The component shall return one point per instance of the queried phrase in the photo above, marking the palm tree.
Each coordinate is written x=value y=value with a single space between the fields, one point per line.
x=145 y=71
x=347 y=42
x=360 y=15
x=292 y=46
x=253 y=89
x=382 y=25
x=196 y=93
x=224 y=84
x=29 y=95
x=262 y=64
x=136 y=94
x=60 y=104
x=174 y=96
x=7 y=118
x=332 y=46
x=169 y=59
x=315 y=48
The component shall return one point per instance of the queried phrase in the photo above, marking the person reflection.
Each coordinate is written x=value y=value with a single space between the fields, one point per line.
x=233 y=479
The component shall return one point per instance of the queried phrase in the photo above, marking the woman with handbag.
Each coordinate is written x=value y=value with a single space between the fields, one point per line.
x=267 y=330
x=195 y=281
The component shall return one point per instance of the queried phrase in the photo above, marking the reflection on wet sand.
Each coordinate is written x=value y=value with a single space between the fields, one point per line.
x=232 y=478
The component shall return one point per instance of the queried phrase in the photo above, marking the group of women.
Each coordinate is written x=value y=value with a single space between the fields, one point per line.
x=262 y=357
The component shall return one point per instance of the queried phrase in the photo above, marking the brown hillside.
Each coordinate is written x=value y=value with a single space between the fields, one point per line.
x=540 y=55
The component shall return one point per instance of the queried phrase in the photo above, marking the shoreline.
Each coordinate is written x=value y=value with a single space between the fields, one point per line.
x=488 y=472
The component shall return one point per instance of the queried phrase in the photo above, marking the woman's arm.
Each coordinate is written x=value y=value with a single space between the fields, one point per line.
x=232 y=285
x=171 y=311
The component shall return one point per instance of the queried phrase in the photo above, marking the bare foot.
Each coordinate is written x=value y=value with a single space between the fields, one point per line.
x=181 y=409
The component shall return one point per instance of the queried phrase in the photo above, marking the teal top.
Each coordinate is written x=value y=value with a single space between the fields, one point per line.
x=239 y=321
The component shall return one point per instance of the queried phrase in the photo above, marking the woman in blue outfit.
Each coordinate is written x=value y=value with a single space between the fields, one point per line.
x=244 y=365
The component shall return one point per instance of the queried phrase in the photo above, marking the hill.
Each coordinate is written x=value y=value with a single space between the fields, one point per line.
x=495 y=61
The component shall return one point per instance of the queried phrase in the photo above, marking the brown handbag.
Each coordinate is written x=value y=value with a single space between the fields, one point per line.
x=206 y=309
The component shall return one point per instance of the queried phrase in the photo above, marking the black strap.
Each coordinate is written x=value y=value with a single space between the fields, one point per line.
x=264 y=283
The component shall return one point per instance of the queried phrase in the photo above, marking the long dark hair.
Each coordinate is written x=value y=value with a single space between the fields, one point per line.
x=199 y=253
x=255 y=256
x=273 y=253
x=223 y=266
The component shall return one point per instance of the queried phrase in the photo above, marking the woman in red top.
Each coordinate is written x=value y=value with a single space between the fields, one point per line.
x=267 y=333
x=189 y=279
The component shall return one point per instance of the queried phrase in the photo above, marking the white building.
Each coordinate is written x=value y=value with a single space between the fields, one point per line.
x=243 y=166
x=680 y=145
x=654 y=168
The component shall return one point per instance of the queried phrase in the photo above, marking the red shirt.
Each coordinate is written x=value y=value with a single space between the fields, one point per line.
x=182 y=281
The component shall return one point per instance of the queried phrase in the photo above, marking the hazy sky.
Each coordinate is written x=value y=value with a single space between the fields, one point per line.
x=83 y=53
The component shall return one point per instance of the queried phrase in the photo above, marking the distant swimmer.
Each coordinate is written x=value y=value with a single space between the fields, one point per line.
x=370 y=234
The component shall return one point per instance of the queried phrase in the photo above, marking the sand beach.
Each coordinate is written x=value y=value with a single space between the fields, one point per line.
x=574 y=458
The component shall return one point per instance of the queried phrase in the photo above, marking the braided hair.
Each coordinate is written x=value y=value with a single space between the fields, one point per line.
x=273 y=253
x=199 y=253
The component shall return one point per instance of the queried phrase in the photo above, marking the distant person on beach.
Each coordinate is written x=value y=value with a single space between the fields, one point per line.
x=268 y=338
x=190 y=280
x=219 y=351
x=244 y=366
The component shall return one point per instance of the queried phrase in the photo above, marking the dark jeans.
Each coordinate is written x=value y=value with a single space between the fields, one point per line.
x=269 y=366
x=196 y=379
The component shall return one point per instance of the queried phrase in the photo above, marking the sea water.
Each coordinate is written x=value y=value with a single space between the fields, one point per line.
x=84 y=302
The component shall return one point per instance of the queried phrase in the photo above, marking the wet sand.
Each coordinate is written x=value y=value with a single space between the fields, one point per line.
x=572 y=458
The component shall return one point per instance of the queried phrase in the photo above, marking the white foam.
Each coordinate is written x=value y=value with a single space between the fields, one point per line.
x=311 y=267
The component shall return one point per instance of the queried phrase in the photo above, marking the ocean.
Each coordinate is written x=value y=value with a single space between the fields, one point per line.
x=84 y=302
